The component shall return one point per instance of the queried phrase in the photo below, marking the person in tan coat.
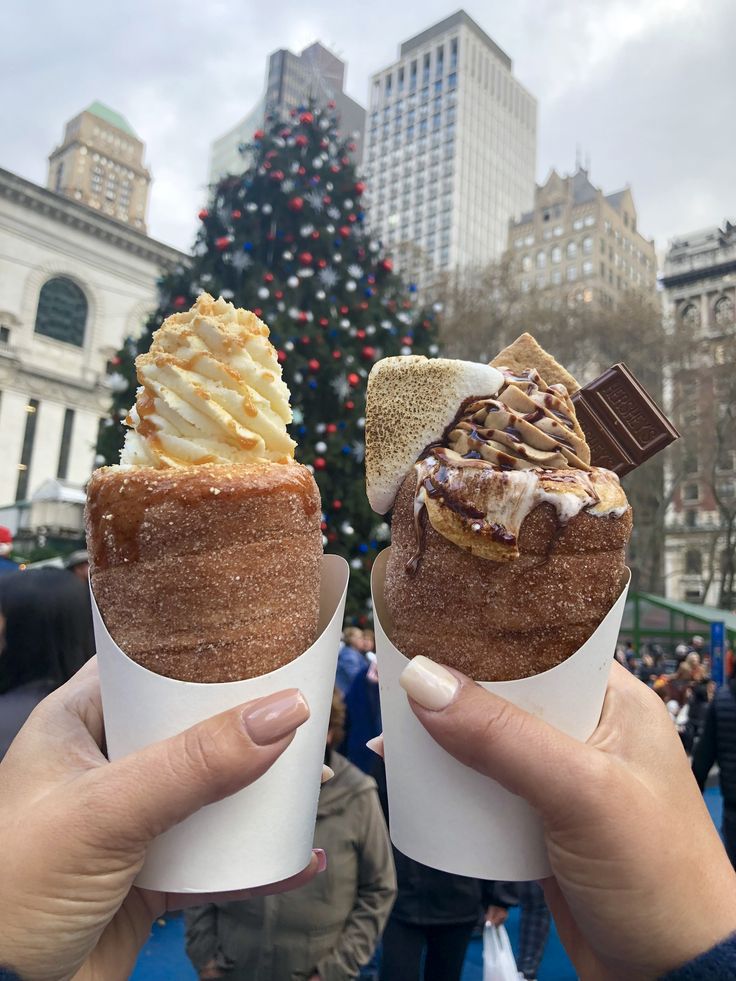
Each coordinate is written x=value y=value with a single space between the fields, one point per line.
x=327 y=930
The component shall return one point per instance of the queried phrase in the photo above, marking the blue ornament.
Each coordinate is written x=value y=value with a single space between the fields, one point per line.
x=362 y=548
x=412 y=287
x=312 y=383
x=368 y=292
x=341 y=424
x=337 y=243
x=361 y=216
x=332 y=334
x=374 y=543
x=302 y=430
x=247 y=246
x=346 y=451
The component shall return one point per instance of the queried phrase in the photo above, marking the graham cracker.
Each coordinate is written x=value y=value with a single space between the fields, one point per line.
x=525 y=352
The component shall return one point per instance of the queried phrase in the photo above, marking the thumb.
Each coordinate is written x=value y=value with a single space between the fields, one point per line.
x=487 y=733
x=159 y=786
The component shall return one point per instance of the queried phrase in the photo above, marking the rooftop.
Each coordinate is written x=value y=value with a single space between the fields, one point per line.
x=454 y=20
x=112 y=118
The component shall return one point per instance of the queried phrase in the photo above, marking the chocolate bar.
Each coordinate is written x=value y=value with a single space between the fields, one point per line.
x=622 y=423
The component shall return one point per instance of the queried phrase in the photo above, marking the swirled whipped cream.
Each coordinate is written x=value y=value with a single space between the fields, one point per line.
x=210 y=391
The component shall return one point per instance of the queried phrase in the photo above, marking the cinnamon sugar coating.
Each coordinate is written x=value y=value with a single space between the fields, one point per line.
x=207 y=573
x=497 y=621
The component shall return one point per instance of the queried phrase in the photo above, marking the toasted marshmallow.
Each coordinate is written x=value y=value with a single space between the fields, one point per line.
x=410 y=403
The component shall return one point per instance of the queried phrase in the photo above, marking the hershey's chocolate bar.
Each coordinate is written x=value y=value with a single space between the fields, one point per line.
x=622 y=423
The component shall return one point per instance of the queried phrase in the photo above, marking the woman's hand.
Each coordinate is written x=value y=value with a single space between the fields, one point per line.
x=622 y=908
x=74 y=828
x=496 y=915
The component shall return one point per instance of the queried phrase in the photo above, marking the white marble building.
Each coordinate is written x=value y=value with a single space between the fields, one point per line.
x=73 y=284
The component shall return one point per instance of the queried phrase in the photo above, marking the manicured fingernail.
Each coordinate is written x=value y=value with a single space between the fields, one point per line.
x=271 y=718
x=321 y=859
x=327 y=773
x=376 y=745
x=428 y=683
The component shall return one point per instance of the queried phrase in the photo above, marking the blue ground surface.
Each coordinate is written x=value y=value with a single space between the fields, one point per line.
x=163 y=957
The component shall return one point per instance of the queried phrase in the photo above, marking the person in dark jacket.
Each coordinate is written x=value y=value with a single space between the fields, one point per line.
x=433 y=917
x=47 y=636
x=363 y=717
x=717 y=744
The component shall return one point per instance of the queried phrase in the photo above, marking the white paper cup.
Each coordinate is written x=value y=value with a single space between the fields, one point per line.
x=446 y=815
x=265 y=832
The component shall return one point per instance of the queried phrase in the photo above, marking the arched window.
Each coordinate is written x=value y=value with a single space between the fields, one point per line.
x=572 y=250
x=556 y=253
x=587 y=245
x=62 y=311
x=691 y=315
x=693 y=562
x=724 y=311
x=541 y=260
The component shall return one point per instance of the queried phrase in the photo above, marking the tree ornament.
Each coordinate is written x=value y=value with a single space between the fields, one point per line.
x=350 y=405
x=292 y=281
x=268 y=277
x=263 y=293
x=259 y=134
x=281 y=355
x=236 y=214
x=350 y=286
x=296 y=204
x=302 y=318
x=204 y=213
x=305 y=258
x=320 y=447
x=346 y=528
x=179 y=303
x=222 y=243
x=314 y=365
x=353 y=379
x=324 y=322
x=356 y=564
x=320 y=463
x=320 y=295
x=369 y=353
x=337 y=355
x=359 y=188
x=306 y=118
x=300 y=140
x=251 y=206
x=267 y=208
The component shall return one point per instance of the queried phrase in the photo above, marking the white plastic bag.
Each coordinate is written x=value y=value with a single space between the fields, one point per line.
x=499 y=963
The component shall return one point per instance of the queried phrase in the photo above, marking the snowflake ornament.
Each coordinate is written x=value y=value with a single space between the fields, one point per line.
x=355 y=271
x=328 y=277
x=314 y=200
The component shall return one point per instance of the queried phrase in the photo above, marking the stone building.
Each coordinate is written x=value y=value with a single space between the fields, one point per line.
x=699 y=284
x=450 y=149
x=74 y=282
x=581 y=244
x=100 y=164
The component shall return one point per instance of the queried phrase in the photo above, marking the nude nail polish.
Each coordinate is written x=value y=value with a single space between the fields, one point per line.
x=271 y=718
x=428 y=683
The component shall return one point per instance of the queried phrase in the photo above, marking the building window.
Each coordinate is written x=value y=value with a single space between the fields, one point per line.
x=525 y=286
x=587 y=268
x=24 y=467
x=577 y=224
x=62 y=311
x=556 y=253
x=66 y=442
x=691 y=519
x=691 y=315
x=556 y=277
x=693 y=562
x=529 y=240
x=557 y=231
x=453 y=54
x=690 y=492
x=723 y=311
x=587 y=245
x=526 y=262
x=589 y=220
x=425 y=70
x=572 y=274
x=413 y=76
x=541 y=281
x=541 y=260
x=571 y=250
x=4 y=336
x=452 y=81
x=59 y=177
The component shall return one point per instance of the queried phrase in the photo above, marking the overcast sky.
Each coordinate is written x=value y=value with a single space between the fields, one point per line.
x=645 y=87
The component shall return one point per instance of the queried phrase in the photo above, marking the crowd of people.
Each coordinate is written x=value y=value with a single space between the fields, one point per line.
x=372 y=913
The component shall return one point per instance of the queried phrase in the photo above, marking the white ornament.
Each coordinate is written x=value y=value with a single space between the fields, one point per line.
x=294 y=314
x=406 y=350
x=355 y=271
x=305 y=273
x=292 y=281
x=434 y=349
x=346 y=528
x=298 y=377
x=374 y=246
x=320 y=447
x=263 y=293
x=356 y=564
x=266 y=208
x=251 y=206
x=330 y=229
x=361 y=423
x=289 y=346
x=344 y=323
x=337 y=257
x=382 y=532
x=306 y=230
x=370 y=330
x=437 y=307
x=329 y=186
x=320 y=295
x=281 y=306
x=324 y=541
x=227 y=294
x=350 y=286
x=320 y=427
x=288 y=256
x=310 y=468
x=348 y=204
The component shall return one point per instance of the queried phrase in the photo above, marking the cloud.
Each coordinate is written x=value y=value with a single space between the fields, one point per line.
x=645 y=88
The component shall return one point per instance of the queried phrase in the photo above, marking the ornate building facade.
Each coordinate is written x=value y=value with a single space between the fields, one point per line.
x=700 y=290
x=73 y=284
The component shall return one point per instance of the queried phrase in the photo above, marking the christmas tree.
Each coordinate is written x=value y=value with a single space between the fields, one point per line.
x=287 y=239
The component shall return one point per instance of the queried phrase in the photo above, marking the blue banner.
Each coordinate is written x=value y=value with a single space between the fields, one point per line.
x=717 y=651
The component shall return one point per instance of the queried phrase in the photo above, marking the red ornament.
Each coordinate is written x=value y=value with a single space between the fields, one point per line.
x=324 y=322
x=336 y=505
x=327 y=199
x=296 y=204
x=315 y=235
x=313 y=364
x=302 y=171
x=306 y=117
x=222 y=242
x=360 y=334
x=257 y=311
x=116 y=360
x=344 y=311
x=277 y=175
x=334 y=169
x=320 y=463
x=344 y=230
x=204 y=213
x=279 y=294
x=350 y=405
x=289 y=238
x=267 y=165
x=352 y=218
x=323 y=525
x=369 y=353
x=386 y=264
x=359 y=187
x=271 y=154
x=281 y=355
x=331 y=104
x=363 y=304
x=321 y=263
x=408 y=341
x=324 y=143
x=236 y=214
x=345 y=161
x=337 y=355
x=302 y=318
x=331 y=427
x=305 y=258
x=284 y=133
x=353 y=379
x=268 y=277
x=352 y=147
x=259 y=134
x=301 y=140
x=179 y=302
x=305 y=339
x=332 y=536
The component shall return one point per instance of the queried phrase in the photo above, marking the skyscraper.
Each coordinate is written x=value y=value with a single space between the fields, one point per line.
x=291 y=80
x=100 y=164
x=450 y=149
